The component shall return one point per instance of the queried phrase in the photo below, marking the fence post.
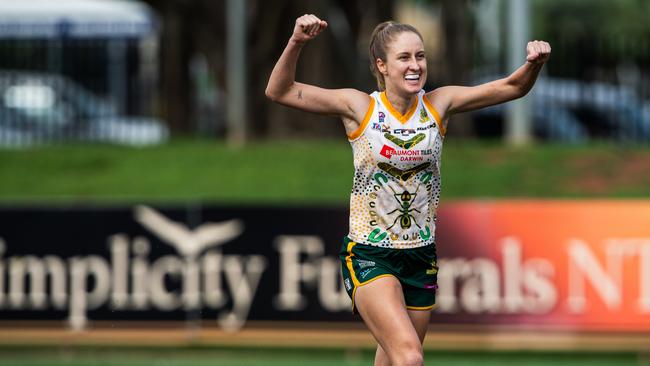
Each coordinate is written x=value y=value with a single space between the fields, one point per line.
x=236 y=72
x=518 y=116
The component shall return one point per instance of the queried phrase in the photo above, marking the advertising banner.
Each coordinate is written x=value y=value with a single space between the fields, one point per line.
x=582 y=265
x=561 y=264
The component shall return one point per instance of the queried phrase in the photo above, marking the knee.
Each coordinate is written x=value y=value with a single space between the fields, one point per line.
x=414 y=358
x=408 y=356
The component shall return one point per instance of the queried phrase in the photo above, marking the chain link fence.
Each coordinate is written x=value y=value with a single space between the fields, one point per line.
x=87 y=76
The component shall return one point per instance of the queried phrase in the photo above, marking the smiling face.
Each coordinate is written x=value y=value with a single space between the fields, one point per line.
x=405 y=67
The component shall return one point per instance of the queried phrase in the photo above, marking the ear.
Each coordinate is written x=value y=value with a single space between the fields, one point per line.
x=381 y=66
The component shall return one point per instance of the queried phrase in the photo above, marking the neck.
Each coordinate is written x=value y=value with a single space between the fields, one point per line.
x=401 y=103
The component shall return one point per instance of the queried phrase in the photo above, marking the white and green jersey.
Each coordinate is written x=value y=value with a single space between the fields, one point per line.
x=396 y=186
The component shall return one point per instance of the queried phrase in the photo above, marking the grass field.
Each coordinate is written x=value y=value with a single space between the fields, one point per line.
x=56 y=356
x=307 y=172
x=302 y=173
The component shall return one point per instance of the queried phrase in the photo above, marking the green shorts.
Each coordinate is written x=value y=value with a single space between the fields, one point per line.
x=416 y=269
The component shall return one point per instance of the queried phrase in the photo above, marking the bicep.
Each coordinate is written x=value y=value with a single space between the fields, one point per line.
x=464 y=99
x=309 y=98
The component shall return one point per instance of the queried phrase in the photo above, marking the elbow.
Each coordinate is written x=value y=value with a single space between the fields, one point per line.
x=276 y=91
x=270 y=94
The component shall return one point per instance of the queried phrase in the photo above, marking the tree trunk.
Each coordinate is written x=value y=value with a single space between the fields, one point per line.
x=457 y=25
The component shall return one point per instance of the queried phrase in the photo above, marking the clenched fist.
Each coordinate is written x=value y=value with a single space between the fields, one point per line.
x=307 y=28
x=538 y=52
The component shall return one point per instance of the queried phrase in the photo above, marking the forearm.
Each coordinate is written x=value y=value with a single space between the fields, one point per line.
x=283 y=75
x=523 y=79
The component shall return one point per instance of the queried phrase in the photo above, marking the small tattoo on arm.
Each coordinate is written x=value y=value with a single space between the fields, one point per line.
x=299 y=94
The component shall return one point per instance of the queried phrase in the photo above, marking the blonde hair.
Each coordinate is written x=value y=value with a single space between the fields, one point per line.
x=382 y=35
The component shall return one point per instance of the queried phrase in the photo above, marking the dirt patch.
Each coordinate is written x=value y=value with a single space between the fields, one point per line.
x=496 y=158
x=601 y=174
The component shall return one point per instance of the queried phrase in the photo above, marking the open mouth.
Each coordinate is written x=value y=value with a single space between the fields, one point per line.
x=412 y=77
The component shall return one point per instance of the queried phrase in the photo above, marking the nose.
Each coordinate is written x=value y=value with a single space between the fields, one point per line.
x=413 y=64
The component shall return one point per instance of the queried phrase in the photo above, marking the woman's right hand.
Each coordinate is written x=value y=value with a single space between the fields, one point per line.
x=307 y=28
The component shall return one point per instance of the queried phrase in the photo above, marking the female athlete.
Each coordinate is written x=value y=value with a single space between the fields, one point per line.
x=389 y=256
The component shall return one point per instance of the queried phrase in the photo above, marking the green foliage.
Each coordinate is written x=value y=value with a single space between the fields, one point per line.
x=594 y=22
x=594 y=40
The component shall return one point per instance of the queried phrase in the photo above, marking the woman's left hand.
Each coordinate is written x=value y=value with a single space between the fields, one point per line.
x=538 y=52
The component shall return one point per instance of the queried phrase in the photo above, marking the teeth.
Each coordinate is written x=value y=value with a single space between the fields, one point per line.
x=412 y=77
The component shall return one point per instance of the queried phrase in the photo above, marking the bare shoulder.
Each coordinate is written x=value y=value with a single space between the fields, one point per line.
x=354 y=103
x=441 y=98
x=358 y=104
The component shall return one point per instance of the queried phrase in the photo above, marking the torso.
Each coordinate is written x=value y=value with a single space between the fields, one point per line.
x=396 y=189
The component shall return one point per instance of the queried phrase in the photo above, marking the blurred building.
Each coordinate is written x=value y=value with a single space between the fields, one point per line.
x=75 y=69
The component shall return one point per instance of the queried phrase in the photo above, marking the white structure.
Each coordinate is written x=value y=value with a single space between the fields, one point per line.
x=111 y=22
x=75 y=18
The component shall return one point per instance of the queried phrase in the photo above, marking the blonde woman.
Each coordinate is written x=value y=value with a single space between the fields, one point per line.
x=389 y=256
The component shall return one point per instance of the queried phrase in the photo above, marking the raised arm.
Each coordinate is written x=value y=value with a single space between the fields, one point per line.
x=349 y=104
x=455 y=99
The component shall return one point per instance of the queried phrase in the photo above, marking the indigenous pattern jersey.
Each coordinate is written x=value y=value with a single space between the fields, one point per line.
x=396 y=186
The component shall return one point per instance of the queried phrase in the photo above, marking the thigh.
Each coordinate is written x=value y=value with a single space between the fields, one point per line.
x=382 y=307
x=420 y=320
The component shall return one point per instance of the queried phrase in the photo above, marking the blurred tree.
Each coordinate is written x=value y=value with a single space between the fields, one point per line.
x=337 y=59
x=593 y=38
x=334 y=60
x=457 y=20
x=188 y=27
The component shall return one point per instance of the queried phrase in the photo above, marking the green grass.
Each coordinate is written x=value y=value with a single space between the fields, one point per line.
x=307 y=172
x=162 y=356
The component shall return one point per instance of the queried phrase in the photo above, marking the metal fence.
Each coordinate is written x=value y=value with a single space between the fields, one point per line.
x=65 y=82
x=69 y=89
x=595 y=90
x=78 y=71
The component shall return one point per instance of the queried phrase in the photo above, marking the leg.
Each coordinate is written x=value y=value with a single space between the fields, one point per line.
x=381 y=305
x=420 y=321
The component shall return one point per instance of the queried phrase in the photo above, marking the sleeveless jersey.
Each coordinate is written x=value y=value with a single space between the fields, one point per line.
x=396 y=186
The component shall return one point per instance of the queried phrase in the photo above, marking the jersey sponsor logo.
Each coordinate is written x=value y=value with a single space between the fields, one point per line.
x=363 y=274
x=434 y=268
x=363 y=263
x=404 y=131
x=427 y=127
x=382 y=117
x=348 y=285
x=387 y=151
x=404 y=155
x=424 y=117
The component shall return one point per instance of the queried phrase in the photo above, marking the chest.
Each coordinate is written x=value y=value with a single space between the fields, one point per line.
x=406 y=142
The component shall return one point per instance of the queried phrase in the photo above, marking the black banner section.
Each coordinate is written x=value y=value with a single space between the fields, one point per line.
x=231 y=264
